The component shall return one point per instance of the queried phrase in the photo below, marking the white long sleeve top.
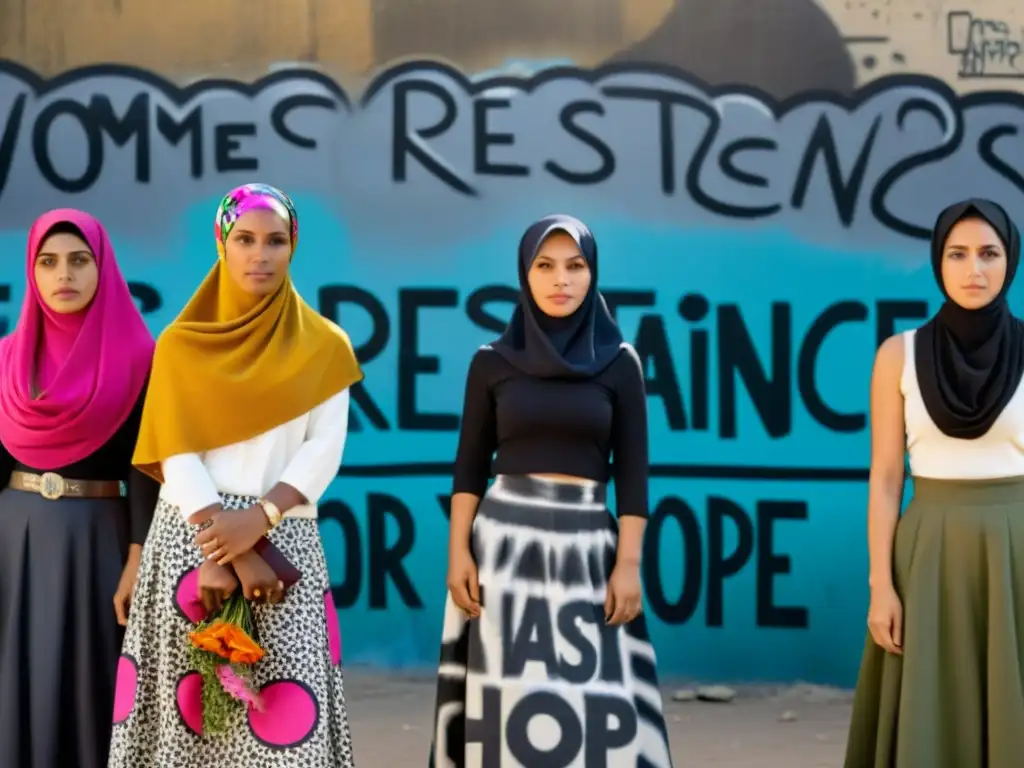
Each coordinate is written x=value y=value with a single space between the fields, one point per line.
x=305 y=453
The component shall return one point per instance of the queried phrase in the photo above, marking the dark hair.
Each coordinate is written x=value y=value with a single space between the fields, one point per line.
x=64 y=228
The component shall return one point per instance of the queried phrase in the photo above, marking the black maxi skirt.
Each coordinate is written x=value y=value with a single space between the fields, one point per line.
x=60 y=564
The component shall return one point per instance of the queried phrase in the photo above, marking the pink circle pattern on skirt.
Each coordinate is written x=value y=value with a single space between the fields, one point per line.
x=190 y=701
x=126 y=688
x=187 y=597
x=289 y=716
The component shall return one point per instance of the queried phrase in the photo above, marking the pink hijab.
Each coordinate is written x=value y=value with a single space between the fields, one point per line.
x=90 y=366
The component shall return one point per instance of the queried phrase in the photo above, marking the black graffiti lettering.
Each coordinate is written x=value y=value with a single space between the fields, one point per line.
x=778 y=375
x=987 y=152
x=283 y=108
x=476 y=306
x=411 y=142
x=680 y=611
x=487 y=729
x=751 y=541
x=652 y=347
x=41 y=145
x=845 y=192
x=667 y=101
x=5 y=298
x=444 y=501
x=806 y=367
x=570 y=730
x=9 y=141
x=727 y=165
x=484 y=139
x=134 y=124
x=610 y=723
x=412 y=364
x=532 y=638
x=569 y=123
x=770 y=564
x=890 y=311
x=720 y=566
x=570 y=618
x=346 y=592
x=147 y=296
x=423 y=101
x=737 y=356
x=384 y=560
x=174 y=131
x=600 y=712
x=227 y=142
x=693 y=308
x=329 y=299
x=952 y=139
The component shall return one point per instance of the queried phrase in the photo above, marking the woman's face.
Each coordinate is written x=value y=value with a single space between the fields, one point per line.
x=559 y=277
x=66 y=273
x=973 y=263
x=258 y=251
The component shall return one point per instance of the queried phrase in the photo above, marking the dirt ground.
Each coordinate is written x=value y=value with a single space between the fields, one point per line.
x=794 y=727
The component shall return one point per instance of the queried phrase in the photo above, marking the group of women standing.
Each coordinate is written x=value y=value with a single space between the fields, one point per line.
x=140 y=481
x=144 y=482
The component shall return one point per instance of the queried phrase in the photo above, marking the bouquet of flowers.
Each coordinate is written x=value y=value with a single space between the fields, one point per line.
x=223 y=648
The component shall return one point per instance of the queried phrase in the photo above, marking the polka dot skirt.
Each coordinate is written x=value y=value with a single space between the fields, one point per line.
x=157 y=708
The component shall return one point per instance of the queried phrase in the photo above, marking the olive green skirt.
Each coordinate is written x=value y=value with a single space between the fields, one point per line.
x=955 y=698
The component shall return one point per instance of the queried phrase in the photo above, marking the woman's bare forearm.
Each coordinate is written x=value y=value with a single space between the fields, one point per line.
x=631 y=539
x=884 y=499
x=463 y=510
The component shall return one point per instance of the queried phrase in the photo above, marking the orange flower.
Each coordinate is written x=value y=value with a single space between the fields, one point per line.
x=213 y=639
x=228 y=641
x=242 y=648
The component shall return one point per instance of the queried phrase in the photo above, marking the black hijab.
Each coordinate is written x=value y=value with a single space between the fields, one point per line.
x=578 y=346
x=970 y=361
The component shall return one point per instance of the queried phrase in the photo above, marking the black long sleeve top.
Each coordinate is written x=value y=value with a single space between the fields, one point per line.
x=516 y=424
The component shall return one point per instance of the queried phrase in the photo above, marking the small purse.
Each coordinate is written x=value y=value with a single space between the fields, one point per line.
x=287 y=573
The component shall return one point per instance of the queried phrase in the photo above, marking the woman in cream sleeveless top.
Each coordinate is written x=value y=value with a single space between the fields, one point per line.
x=942 y=678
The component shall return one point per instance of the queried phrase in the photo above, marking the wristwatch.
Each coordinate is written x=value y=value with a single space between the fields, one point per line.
x=271 y=511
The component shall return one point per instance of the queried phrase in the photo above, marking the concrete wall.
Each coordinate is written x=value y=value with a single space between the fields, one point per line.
x=761 y=187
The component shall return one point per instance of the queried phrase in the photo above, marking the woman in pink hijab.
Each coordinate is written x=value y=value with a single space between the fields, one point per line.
x=73 y=512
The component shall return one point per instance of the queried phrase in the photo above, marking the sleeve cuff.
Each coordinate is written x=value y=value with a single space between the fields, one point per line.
x=188 y=485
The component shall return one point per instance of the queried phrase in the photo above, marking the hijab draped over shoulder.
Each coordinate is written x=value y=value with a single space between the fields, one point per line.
x=578 y=346
x=68 y=382
x=233 y=366
x=970 y=361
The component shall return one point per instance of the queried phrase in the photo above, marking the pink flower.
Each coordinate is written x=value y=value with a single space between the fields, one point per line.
x=238 y=688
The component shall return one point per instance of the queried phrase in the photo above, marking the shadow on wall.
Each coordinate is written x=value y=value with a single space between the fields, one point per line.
x=782 y=47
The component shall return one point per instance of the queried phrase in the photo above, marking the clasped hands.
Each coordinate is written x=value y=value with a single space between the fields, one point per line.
x=226 y=540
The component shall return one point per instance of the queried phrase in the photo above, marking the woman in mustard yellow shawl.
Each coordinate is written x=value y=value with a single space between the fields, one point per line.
x=244 y=425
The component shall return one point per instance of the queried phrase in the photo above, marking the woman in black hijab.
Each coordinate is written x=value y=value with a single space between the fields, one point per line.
x=942 y=678
x=543 y=615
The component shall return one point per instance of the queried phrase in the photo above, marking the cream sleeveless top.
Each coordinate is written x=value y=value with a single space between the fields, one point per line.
x=933 y=454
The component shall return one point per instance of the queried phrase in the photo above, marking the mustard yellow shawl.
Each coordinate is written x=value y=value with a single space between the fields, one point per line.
x=233 y=366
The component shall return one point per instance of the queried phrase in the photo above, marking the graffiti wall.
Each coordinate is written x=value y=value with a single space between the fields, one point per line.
x=762 y=229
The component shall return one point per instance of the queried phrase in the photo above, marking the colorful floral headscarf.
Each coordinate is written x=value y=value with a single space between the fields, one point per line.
x=248 y=197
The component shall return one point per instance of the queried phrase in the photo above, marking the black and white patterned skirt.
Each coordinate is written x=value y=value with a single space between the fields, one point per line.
x=157 y=709
x=540 y=679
